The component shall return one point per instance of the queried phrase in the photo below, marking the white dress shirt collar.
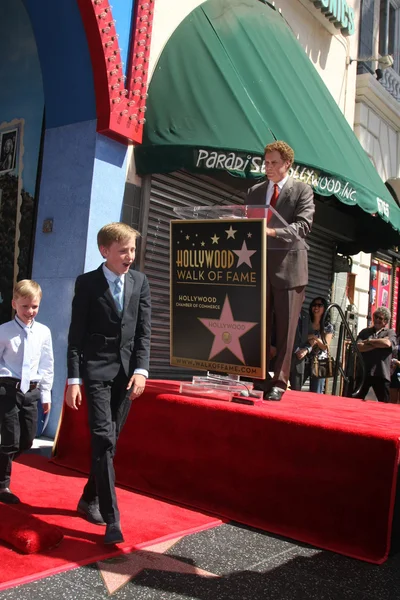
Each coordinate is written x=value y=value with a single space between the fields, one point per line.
x=110 y=276
x=24 y=325
x=280 y=184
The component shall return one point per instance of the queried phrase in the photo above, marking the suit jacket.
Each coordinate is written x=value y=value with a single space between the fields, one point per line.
x=287 y=261
x=99 y=340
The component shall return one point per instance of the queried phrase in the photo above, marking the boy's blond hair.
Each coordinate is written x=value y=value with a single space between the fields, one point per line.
x=115 y=232
x=283 y=148
x=27 y=288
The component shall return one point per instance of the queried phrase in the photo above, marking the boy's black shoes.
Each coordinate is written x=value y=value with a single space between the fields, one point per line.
x=113 y=534
x=90 y=510
x=7 y=497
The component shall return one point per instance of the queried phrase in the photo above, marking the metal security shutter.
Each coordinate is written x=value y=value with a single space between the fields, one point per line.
x=178 y=189
x=320 y=264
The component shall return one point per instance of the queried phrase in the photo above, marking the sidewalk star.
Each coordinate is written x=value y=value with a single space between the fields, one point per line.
x=118 y=571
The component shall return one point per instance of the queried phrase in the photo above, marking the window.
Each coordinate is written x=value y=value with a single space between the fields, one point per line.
x=389 y=31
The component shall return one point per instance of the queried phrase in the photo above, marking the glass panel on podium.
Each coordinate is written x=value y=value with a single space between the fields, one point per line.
x=237 y=211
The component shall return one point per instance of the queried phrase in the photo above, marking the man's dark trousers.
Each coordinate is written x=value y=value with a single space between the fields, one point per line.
x=108 y=407
x=380 y=385
x=18 y=420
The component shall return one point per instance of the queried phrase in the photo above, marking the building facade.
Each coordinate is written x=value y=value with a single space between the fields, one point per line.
x=377 y=126
x=327 y=33
x=79 y=76
x=66 y=122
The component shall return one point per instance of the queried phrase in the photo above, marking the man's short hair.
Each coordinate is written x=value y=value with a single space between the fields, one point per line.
x=383 y=312
x=115 y=232
x=284 y=150
x=27 y=288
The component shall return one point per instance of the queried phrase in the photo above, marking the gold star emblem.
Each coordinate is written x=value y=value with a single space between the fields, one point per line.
x=230 y=233
x=215 y=239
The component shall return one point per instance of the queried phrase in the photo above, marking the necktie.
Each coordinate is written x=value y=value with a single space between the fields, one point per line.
x=118 y=294
x=26 y=363
x=275 y=196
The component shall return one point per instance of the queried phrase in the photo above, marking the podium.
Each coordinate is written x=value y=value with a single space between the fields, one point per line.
x=218 y=289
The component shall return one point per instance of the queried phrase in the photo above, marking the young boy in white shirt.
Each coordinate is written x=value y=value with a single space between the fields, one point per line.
x=26 y=376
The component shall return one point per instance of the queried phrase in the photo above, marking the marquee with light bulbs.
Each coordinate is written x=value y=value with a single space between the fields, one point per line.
x=120 y=99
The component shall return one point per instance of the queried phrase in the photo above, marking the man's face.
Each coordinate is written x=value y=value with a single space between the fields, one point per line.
x=26 y=308
x=275 y=167
x=120 y=255
x=379 y=321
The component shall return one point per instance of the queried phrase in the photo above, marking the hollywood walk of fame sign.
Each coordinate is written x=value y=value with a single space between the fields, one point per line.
x=218 y=279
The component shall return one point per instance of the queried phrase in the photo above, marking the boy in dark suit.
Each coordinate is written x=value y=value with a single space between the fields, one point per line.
x=108 y=350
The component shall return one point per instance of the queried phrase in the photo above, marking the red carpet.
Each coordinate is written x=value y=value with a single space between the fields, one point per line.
x=319 y=469
x=50 y=493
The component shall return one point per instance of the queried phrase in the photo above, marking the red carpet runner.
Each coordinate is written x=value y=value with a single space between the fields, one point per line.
x=319 y=469
x=50 y=493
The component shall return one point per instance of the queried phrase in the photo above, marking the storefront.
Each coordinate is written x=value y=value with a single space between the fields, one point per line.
x=184 y=189
x=73 y=98
x=203 y=142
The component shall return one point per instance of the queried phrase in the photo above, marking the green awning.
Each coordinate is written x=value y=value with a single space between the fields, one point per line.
x=232 y=78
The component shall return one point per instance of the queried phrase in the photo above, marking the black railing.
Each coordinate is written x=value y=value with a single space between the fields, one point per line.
x=354 y=359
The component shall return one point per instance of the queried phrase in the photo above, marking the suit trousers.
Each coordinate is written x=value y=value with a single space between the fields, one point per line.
x=380 y=386
x=18 y=423
x=108 y=407
x=285 y=306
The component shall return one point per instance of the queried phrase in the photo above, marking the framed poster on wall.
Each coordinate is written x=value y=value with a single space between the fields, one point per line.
x=380 y=285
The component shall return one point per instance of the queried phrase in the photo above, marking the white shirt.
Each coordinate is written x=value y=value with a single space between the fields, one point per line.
x=270 y=189
x=111 y=277
x=41 y=351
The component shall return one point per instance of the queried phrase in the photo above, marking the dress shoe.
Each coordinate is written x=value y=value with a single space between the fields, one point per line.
x=7 y=497
x=275 y=394
x=113 y=534
x=90 y=510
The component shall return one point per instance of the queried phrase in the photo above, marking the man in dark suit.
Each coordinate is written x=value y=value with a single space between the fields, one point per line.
x=108 y=349
x=287 y=268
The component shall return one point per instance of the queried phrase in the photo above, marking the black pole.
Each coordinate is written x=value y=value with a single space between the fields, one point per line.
x=352 y=340
x=338 y=359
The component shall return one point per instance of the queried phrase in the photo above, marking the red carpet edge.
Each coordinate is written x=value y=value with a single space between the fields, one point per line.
x=50 y=493
x=125 y=550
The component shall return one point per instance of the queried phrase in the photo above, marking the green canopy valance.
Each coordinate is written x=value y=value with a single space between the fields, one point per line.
x=232 y=78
